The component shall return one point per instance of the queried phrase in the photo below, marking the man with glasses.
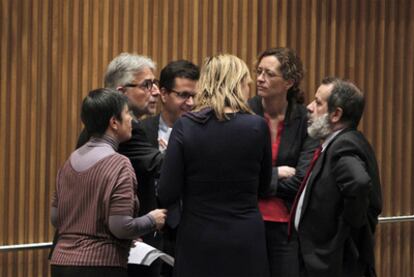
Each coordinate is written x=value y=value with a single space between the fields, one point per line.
x=178 y=82
x=133 y=75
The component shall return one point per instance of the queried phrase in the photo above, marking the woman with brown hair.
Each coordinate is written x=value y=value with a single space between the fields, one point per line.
x=280 y=101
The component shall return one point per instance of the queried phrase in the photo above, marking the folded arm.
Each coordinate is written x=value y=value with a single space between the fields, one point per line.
x=286 y=188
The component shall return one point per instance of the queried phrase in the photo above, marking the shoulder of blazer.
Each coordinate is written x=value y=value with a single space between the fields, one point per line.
x=351 y=141
x=348 y=136
x=298 y=112
x=151 y=122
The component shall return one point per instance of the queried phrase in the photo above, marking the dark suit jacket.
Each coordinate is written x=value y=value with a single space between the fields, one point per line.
x=340 y=209
x=144 y=157
x=150 y=126
x=217 y=168
x=147 y=180
x=296 y=150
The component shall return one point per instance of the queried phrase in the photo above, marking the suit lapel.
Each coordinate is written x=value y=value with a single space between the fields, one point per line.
x=289 y=134
x=317 y=170
x=152 y=130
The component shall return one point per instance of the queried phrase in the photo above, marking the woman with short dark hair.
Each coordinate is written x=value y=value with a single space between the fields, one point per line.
x=95 y=206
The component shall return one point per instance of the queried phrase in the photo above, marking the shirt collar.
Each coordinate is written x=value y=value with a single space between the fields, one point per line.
x=163 y=126
x=329 y=139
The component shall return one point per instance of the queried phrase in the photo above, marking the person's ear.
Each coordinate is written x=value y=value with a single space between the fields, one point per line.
x=336 y=115
x=163 y=95
x=120 y=89
x=113 y=123
x=289 y=84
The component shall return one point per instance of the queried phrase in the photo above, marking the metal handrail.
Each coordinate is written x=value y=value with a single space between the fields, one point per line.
x=27 y=246
x=40 y=245
x=400 y=218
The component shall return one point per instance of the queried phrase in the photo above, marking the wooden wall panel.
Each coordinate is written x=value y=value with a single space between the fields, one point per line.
x=52 y=52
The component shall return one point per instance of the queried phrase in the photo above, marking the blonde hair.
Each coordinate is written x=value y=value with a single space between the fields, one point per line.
x=220 y=85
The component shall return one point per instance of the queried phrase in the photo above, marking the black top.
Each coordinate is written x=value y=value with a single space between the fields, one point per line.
x=295 y=149
x=218 y=167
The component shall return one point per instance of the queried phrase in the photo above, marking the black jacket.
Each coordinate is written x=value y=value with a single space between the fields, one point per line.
x=340 y=209
x=295 y=150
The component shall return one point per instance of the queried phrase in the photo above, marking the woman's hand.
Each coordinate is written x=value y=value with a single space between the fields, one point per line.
x=159 y=216
x=285 y=171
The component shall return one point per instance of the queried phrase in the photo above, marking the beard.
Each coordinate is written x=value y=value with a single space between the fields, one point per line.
x=320 y=127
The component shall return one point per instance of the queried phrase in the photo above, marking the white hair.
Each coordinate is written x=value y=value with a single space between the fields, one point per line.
x=121 y=69
x=320 y=127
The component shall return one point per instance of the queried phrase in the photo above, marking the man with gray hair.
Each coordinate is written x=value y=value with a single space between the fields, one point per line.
x=336 y=210
x=133 y=75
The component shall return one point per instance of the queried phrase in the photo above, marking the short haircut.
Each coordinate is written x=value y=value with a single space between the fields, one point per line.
x=121 y=69
x=220 y=85
x=178 y=69
x=348 y=97
x=99 y=106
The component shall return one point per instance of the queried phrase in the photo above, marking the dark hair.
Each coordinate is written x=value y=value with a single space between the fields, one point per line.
x=291 y=68
x=178 y=69
x=99 y=106
x=348 y=97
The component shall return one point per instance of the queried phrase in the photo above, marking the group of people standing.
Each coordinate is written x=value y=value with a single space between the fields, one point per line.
x=230 y=186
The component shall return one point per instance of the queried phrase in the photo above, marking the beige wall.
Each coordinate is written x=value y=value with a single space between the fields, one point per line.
x=52 y=52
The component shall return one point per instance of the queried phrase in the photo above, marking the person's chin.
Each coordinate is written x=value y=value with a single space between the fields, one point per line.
x=151 y=110
x=139 y=111
x=262 y=93
x=183 y=111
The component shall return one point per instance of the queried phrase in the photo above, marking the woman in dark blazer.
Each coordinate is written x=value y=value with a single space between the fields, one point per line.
x=279 y=101
x=218 y=160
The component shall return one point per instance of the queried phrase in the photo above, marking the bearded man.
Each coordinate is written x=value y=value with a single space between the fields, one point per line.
x=336 y=211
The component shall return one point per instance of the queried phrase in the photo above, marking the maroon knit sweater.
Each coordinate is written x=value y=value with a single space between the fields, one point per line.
x=84 y=201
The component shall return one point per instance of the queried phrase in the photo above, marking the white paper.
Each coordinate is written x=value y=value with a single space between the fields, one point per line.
x=145 y=254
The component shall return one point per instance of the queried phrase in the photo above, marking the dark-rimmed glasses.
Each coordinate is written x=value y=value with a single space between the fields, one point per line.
x=184 y=95
x=145 y=85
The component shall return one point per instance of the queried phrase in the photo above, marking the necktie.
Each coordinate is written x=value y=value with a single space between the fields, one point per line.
x=316 y=155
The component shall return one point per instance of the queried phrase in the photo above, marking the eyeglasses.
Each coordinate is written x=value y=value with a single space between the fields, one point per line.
x=184 y=95
x=145 y=85
x=266 y=73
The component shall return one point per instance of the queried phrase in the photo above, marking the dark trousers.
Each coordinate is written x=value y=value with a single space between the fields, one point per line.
x=136 y=270
x=354 y=269
x=282 y=253
x=170 y=236
x=87 y=271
